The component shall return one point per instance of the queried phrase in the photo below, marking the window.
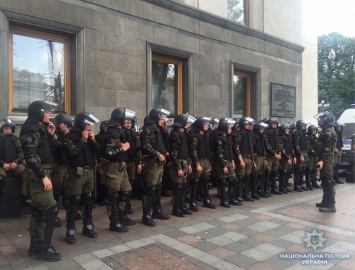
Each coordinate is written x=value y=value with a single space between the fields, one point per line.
x=39 y=69
x=241 y=94
x=167 y=83
x=238 y=11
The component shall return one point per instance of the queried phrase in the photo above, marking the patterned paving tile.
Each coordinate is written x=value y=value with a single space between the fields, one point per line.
x=257 y=254
x=263 y=226
x=222 y=252
x=219 y=240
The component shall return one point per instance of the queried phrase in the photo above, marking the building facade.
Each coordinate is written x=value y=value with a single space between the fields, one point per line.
x=219 y=58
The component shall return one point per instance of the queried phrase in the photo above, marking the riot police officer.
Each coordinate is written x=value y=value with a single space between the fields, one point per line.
x=201 y=154
x=180 y=165
x=63 y=123
x=37 y=138
x=325 y=148
x=273 y=149
x=311 y=168
x=155 y=152
x=224 y=161
x=287 y=158
x=11 y=155
x=81 y=148
x=300 y=147
x=117 y=181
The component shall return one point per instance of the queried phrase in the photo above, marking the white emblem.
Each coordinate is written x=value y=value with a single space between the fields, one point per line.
x=314 y=239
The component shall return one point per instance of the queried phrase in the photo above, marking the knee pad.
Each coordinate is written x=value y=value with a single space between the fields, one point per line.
x=87 y=197
x=75 y=200
x=50 y=214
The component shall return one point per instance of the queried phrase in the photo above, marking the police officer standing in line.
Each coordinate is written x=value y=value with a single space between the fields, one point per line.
x=117 y=181
x=63 y=123
x=201 y=154
x=11 y=155
x=131 y=157
x=287 y=158
x=37 y=138
x=245 y=162
x=180 y=164
x=337 y=155
x=311 y=168
x=325 y=148
x=155 y=152
x=224 y=159
x=260 y=160
x=274 y=149
x=81 y=148
x=300 y=147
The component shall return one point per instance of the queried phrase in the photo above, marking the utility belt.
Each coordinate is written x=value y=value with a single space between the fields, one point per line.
x=250 y=156
x=84 y=168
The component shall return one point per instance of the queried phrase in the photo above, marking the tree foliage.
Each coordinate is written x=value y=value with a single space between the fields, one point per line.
x=336 y=71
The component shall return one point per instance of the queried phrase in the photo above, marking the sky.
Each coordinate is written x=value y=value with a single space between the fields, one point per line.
x=329 y=16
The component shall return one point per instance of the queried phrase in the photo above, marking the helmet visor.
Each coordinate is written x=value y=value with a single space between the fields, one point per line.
x=263 y=126
x=128 y=114
x=318 y=116
x=190 y=119
x=91 y=120
x=49 y=106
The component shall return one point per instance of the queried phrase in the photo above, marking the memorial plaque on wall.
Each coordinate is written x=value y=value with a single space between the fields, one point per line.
x=283 y=100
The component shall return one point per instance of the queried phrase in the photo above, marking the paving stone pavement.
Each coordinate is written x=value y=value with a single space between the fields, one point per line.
x=258 y=235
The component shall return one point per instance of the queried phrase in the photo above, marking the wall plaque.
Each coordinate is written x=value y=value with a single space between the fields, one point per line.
x=283 y=100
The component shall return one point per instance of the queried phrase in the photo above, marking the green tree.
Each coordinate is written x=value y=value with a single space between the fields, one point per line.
x=336 y=71
x=235 y=9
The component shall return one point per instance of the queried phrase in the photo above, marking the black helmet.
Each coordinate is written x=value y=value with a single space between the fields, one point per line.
x=292 y=125
x=245 y=121
x=328 y=117
x=36 y=109
x=311 y=128
x=283 y=127
x=7 y=123
x=103 y=125
x=299 y=123
x=273 y=120
x=225 y=123
x=65 y=119
x=119 y=115
x=182 y=119
x=83 y=118
x=260 y=126
x=200 y=122
x=156 y=113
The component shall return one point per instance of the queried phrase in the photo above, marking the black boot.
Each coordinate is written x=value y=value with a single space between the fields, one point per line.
x=206 y=196
x=157 y=211
x=308 y=178
x=254 y=187
x=223 y=199
x=233 y=190
x=34 y=247
x=239 y=194
x=46 y=251
x=329 y=208
x=296 y=178
x=287 y=184
x=246 y=189
x=193 y=203
x=147 y=201
x=267 y=183
x=124 y=208
x=56 y=195
x=128 y=203
x=74 y=203
x=177 y=211
x=114 y=214
x=183 y=207
x=274 y=190
x=283 y=181
x=88 y=226
x=302 y=176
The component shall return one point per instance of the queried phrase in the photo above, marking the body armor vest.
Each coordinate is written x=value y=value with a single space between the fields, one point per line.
x=246 y=146
x=45 y=149
x=131 y=153
x=287 y=144
x=274 y=139
x=227 y=147
x=204 y=146
x=183 y=147
x=259 y=147
x=85 y=157
x=158 y=142
x=8 y=148
x=59 y=154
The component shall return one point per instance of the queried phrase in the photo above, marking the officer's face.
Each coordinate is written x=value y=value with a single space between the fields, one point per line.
x=229 y=130
x=205 y=126
x=247 y=127
x=314 y=132
x=338 y=128
x=303 y=127
x=6 y=130
x=262 y=131
x=321 y=122
x=287 y=131
x=274 y=126
x=87 y=127
x=46 y=117
x=128 y=124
